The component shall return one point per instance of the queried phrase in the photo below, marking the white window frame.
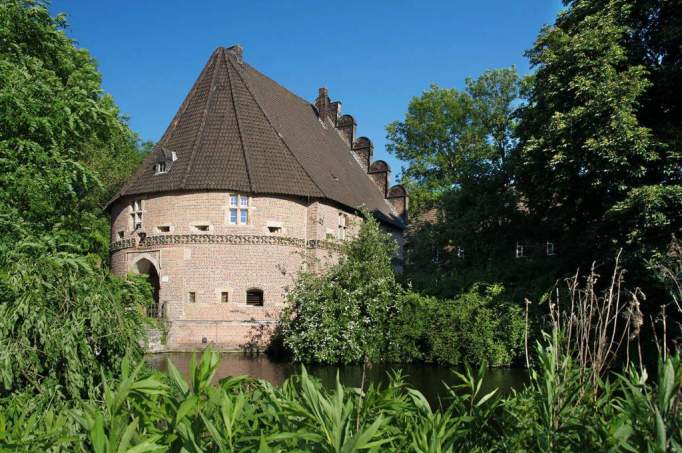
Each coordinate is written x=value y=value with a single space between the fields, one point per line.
x=342 y=227
x=136 y=211
x=550 y=249
x=239 y=208
x=160 y=168
x=520 y=250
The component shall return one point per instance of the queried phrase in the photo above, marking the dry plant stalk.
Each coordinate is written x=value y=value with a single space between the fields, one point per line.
x=595 y=324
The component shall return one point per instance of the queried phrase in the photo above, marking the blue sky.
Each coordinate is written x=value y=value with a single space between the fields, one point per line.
x=373 y=56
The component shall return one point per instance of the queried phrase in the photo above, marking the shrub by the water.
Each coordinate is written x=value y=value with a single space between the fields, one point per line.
x=340 y=316
x=357 y=311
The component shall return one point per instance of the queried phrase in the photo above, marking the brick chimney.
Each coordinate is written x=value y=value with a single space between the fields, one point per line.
x=237 y=51
x=326 y=108
x=362 y=150
x=322 y=103
x=379 y=172
x=397 y=196
x=346 y=125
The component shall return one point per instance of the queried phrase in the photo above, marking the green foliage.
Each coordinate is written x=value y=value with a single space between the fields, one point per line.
x=452 y=138
x=340 y=316
x=557 y=411
x=60 y=133
x=356 y=311
x=475 y=327
x=586 y=132
x=63 y=320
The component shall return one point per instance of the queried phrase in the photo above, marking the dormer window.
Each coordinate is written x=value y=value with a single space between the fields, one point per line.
x=160 y=168
x=163 y=161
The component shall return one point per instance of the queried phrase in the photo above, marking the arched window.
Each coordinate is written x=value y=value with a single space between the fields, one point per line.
x=254 y=297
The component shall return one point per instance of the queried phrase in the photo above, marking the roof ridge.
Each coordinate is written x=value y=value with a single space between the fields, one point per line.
x=277 y=133
x=300 y=98
x=239 y=126
x=170 y=130
x=197 y=138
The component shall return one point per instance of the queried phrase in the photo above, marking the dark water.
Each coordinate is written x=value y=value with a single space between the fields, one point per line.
x=426 y=378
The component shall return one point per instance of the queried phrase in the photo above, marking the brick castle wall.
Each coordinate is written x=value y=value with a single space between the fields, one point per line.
x=185 y=264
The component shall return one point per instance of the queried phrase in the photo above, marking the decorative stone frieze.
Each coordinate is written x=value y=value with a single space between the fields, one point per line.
x=228 y=239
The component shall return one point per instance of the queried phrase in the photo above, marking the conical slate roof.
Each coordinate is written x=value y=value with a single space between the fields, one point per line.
x=239 y=130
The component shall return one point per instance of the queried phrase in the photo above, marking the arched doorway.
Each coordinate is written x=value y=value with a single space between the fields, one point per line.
x=146 y=267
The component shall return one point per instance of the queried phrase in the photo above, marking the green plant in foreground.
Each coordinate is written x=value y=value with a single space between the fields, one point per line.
x=146 y=411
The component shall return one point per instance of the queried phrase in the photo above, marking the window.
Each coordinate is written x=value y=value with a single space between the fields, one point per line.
x=254 y=297
x=435 y=254
x=121 y=234
x=160 y=168
x=136 y=214
x=163 y=228
x=520 y=250
x=550 y=248
x=203 y=228
x=343 y=225
x=224 y=297
x=192 y=297
x=275 y=229
x=329 y=236
x=239 y=209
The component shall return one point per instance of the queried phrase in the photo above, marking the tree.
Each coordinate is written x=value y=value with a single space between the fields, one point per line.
x=452 y=139
x=597 y=136
x=59 y=133
x=64 y=320
x=460 y=149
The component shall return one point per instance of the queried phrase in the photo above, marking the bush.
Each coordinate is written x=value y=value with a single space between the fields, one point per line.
x=340 y=316
x=475 y=327
x=64 y=321
x=356 y=311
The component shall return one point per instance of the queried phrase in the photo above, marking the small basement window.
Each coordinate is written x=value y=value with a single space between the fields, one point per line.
x=254 y=297
x=201 y=227
x=192 y=297
x=163 y=228
x=224 y=297
x=275 y=229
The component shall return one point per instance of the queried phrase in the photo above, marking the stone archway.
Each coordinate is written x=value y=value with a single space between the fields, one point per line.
x=143 y=266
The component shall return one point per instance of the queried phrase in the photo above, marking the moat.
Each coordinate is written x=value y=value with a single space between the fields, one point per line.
x=427 y=378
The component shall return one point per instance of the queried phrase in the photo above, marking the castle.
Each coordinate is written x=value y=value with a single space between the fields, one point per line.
x=248 y=185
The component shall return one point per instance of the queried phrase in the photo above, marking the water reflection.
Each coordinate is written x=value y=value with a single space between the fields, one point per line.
x=427 y=378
